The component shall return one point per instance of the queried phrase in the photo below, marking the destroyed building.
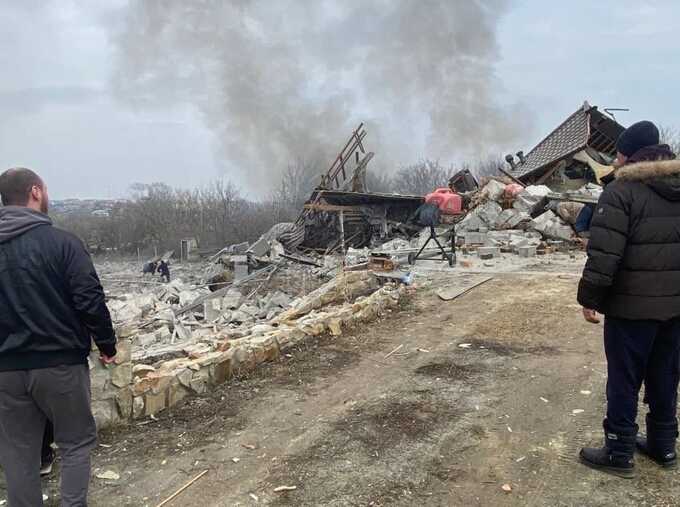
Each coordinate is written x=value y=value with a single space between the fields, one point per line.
x=342 y=212
x=579 y=151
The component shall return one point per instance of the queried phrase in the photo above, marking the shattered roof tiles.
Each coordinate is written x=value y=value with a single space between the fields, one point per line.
x=570 y=137
x=586 y=127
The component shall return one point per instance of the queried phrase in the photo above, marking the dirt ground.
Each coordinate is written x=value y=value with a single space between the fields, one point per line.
x=499 y=386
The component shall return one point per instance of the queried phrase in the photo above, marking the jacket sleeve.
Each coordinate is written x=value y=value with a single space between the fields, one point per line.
x=607 y=245
x=87 y=296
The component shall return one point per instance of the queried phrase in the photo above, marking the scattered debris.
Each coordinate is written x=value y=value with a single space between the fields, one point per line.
x=182 y=489
x=395 y=350
x=577 y=411
x=507 y=488
x=462 y=285
x=108 y=475
x=284 y=488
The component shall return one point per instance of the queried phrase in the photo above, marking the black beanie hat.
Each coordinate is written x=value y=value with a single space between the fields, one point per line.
x=638 y=135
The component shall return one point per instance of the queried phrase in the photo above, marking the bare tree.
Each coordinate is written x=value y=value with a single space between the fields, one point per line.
x=671 y=137
x=297 y=182
x=421 y=178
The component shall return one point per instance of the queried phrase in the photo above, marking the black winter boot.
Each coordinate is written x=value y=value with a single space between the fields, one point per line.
x=659 y=444
x=616 y=457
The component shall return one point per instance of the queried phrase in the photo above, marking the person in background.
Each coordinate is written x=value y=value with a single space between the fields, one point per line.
x=51 y=307
x=164 y=270
x=632 y=276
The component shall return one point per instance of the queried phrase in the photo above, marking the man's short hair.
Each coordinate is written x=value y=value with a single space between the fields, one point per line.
x=16 y=185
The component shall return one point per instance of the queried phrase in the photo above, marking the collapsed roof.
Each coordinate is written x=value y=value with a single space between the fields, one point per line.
x=586 y=130
x=343 y=212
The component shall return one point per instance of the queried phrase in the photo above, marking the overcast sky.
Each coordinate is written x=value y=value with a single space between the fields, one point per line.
x=59 y=115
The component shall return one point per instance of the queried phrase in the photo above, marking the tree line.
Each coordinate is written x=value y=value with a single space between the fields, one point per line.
x=156 y=216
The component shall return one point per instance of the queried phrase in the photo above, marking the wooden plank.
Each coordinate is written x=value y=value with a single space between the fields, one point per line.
x=301 y=260
x=330 y=207
x=461 y=285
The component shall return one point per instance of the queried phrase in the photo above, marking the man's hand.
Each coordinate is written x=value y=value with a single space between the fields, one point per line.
x=106 y=359
x=591 y=316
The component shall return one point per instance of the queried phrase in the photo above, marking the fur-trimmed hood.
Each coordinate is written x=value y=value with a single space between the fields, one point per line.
x=663 y=176
x=645 y=171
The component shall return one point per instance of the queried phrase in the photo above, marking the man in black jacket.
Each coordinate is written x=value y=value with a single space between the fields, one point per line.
x=51 y=307
x=632 y=276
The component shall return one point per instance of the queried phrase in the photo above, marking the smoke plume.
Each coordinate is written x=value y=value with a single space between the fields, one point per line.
x=277 y=80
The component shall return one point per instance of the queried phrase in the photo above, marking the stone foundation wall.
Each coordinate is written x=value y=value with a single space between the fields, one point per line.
x=125 y=391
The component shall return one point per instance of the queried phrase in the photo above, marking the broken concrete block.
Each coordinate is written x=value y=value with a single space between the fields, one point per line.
x=240 y=271
x=142 y=370
x=268 y=346
x=511 y=219
x=146 y=340
x=239 y=248
x=124 y=403
x=335 y=326
x=105 y=413
x=137 y=406
x=471 y=222
x=176 y=393
x=260 y=329
x=527 y=251
x=220 y=372
x=154 y=403
x=212 y=309
x=121 y=375
x=182 y=332
x=489 y=213
x=249 y=309
x=186 y=297
x=280 y=299
x=198 y=385
x=232 y=300
x=485 y=251
x=239 y=317
x=552 y=226
x=494 y=190
x=184 y=377
x=100 y=381
x=475 y=238
x=260 y=248
x=569 y=211
x=531 y=198
x=123 y=351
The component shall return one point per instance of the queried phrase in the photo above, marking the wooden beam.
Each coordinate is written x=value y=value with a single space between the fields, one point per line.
x=329 y=207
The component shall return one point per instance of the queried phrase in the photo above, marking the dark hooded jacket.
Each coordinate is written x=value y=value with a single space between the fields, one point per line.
x=51 y=300
x=633 y=267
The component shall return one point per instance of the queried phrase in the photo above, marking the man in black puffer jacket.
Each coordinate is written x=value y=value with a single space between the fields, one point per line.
x=51 y=307
x=632 y=276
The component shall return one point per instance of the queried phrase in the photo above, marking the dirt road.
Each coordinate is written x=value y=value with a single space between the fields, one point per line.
x=500 y=386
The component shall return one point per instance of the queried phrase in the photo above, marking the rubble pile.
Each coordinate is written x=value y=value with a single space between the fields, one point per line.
x=167 y=352
x=512 y=218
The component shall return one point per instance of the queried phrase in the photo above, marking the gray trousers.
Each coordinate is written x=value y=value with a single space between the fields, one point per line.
x=27 y=399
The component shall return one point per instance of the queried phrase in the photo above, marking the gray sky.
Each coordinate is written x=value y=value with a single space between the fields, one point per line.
x=59 y=115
